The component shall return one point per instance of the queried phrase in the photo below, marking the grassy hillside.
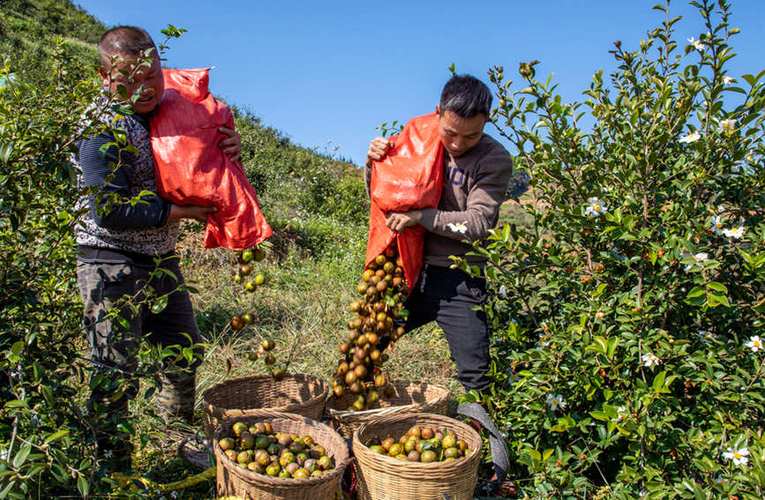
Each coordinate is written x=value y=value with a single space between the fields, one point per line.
x=318 y=209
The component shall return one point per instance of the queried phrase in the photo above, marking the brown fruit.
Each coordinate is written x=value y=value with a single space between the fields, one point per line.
x=382 y=286
x=389 y=267
x=367 y=274
x=380 y=273
x=237 y=323
x=344 y=348
x=360 y=371
x=372 y=338
x=380 y=380
x=361 y=288
x=387 y=443
x=267 y=344
x=380 y=260
x=342 y=368
x=356 y=387
x=371 y=291
x=375 y=355
x=338 y=390
x=427 y=433
x=350 y=377
x=353 y=335
x=396 y=281
x=413 y=456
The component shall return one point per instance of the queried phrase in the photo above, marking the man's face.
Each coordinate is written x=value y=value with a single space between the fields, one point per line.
x=458 y=134
x=124 y=73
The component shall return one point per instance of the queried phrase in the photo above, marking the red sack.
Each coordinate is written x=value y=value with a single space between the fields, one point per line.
x=192 y=170
x=410 y=177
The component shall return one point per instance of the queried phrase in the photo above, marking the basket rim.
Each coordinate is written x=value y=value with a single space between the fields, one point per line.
x=385 y=459
x=301 y=377
x=255 y=477
x=365 y=414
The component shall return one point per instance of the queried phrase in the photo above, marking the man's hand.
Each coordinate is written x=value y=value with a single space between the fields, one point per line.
x=378 y=149
x=178 y=212
x=401 y=221
x=232 y=144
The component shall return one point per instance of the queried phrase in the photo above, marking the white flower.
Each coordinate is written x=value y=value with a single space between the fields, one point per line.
x=727 y=80
x=596 y=207
x=108 y=454
x=755 y=343
x=621 y=413
x=697 y=44
x=650 y=360
x=717 y=224
x=736 y=233
x=503 y=291
x=739 y=457
x=728 y=126
x=3 y=454
x=690 y=138
x=460 y=227
x=699 y=258
x=555 y=401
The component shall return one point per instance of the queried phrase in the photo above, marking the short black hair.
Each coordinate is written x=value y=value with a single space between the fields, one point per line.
x=124 y=40
x=466 y=96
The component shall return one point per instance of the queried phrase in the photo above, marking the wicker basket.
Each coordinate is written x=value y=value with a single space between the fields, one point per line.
x=233 y=480
x=409 y=397
x=299 y=394
x=381 y=477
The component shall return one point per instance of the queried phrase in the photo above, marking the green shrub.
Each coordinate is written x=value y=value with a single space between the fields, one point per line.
x=627 y=313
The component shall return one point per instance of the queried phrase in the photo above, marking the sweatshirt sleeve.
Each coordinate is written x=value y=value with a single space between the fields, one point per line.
x=98 y=171
x=483 y=202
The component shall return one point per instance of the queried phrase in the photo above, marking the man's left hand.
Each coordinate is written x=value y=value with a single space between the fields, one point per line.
x=399 y=222
x=232 y=144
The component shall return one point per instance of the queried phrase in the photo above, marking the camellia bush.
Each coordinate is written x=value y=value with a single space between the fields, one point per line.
x=628 y=314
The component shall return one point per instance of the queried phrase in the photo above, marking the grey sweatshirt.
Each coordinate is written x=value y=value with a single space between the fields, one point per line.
x=474 y=189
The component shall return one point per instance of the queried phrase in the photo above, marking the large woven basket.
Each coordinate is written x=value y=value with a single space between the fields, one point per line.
x=233 y=480
x=409 y=397
x=299 y=394
x=381 y=477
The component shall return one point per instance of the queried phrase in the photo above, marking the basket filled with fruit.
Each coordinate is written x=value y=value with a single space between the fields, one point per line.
x=361 y=390
x=416 y=455
x=279 y=456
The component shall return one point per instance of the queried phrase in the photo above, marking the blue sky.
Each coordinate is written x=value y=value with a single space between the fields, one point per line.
x=328 y=73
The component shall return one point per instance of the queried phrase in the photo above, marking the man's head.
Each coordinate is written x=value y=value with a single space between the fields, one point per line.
x=129 y=58
x=464 y=110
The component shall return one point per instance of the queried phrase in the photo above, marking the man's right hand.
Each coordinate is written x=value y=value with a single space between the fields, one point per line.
x=378 y=149
x=178 y=212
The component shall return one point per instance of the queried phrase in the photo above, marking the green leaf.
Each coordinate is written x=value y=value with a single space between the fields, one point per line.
x=159 y=305
x=83 y=486
x=658 y=381
x=56 y=435
x=21 y=455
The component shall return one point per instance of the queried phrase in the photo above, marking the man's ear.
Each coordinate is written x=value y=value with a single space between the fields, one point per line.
x=438 y=109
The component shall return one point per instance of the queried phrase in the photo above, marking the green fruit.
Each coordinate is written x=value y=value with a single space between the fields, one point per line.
x=387 y=443
x=256 y=467
x=262 y=442
x=310 y=465
x=376 y=448
x=450 y=441
x=238 y=428
x=260 y=279
x=273 y=470
x=291 y=468
x=324 y=462
x=226 y=444
x=267 y=344
x=231 y=454
x=247 y=255
x=462 y=445
x=283 y=474
x=428 y=456
x=301 y=474
x=274 y=449
x=260 y=254
x=262 y=458
x=247 y=318
x=396 y=449
x=317 y=452
x=243 y=457
x=410 y=444
x=286 y=458
x=317 y=473
x=247 y=442
x=451 y=453
x=250 y=286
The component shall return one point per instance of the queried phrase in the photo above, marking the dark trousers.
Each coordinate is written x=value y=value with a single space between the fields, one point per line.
x=116 y=320
x=449 y=297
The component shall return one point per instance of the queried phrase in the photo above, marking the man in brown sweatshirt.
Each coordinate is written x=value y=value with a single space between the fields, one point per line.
x=477 y=171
